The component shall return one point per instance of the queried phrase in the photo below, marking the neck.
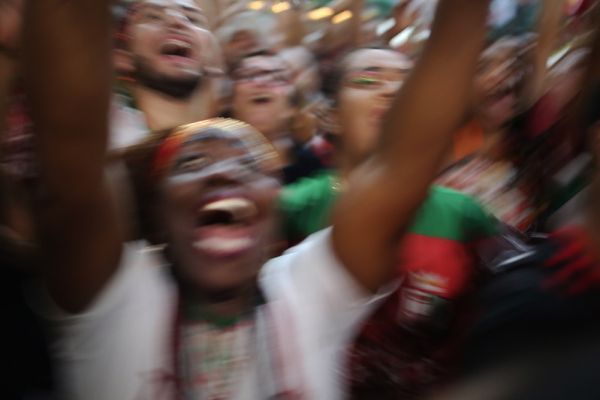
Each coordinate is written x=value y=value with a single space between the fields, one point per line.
x=346 y=164
x=165 y=112
x=218 y=308
x=283 y=145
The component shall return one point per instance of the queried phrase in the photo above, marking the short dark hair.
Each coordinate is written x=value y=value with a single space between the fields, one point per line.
x=297 y=99
x=237 y=64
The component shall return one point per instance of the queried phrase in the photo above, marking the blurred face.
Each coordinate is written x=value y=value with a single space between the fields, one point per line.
x=218 y=211
x=304 y=69
x=496 y=85
x=261 y=93
x=371 y=79
x=169 y=44
x=241 y=42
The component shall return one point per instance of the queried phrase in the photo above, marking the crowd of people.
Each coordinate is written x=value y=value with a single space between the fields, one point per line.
x=283 y=199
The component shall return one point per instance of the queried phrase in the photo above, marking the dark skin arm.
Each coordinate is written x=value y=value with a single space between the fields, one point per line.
x=6 y=73
x=548 y=31
x=10 y=18
x=67 y=69
x=69 y=83
x=383 y=196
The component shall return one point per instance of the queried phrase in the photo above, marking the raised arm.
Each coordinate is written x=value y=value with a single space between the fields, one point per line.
x=67 y=69
x=10 y=17
x=6 y=72
x=383 y=196
x=548 y=29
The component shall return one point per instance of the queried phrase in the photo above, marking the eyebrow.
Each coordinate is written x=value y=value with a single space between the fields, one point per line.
x=380 y=69
x=195 y=10
x=179 y=161
x=253 y=68
x=150 y=5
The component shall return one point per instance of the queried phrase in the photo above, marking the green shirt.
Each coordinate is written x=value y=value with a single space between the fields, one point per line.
x=306 y=207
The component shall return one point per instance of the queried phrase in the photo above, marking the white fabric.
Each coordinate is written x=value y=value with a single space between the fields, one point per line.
x=113 y=351
x=128 y=125
x=502 y=12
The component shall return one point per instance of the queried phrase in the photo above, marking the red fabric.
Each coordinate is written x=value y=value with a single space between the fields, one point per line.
x=578 y=7
x=17 y=147
x=448 y=260
x=543 y=116
x=324 y=150
x=165 y=154
x=408 y=345
x=576 y=263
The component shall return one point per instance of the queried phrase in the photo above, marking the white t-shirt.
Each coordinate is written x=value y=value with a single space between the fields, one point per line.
x=121 y=348
x=127 y=125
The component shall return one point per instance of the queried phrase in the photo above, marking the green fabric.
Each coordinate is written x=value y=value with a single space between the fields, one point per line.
x=438 y=216
x=306 y=206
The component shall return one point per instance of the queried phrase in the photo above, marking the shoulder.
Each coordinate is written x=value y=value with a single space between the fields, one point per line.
x=311 y=267
x=315 y=249
x=450 y=197
x=306 y=204
x=318 y=184
x=449 y=212
x=142 y=277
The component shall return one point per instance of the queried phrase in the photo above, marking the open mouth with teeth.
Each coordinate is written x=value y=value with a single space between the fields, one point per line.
x=262 y=99
x=176 y=49
x=226 y=227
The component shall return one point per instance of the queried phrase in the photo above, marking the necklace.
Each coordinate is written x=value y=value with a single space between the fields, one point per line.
x=260 y=343
x=214 y=359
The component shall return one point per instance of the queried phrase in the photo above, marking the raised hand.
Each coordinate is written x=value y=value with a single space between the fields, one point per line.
x=10 y=25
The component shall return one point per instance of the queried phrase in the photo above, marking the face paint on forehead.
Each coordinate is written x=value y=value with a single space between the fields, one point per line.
x=233 y=139
x=186 y=6
x=166 y=3
x=214 y=135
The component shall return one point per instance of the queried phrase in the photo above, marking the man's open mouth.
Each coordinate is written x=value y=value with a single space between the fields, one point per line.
x=226 y=227
x=177 y=49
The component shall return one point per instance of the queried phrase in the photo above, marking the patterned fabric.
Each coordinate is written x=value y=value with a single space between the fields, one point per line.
x=214 y=360
x=494 y=183
x=408 y=345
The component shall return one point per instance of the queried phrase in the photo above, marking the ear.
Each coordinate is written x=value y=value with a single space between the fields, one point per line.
x=123 y=61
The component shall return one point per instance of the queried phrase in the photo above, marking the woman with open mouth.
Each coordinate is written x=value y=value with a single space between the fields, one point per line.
x=206 y=318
